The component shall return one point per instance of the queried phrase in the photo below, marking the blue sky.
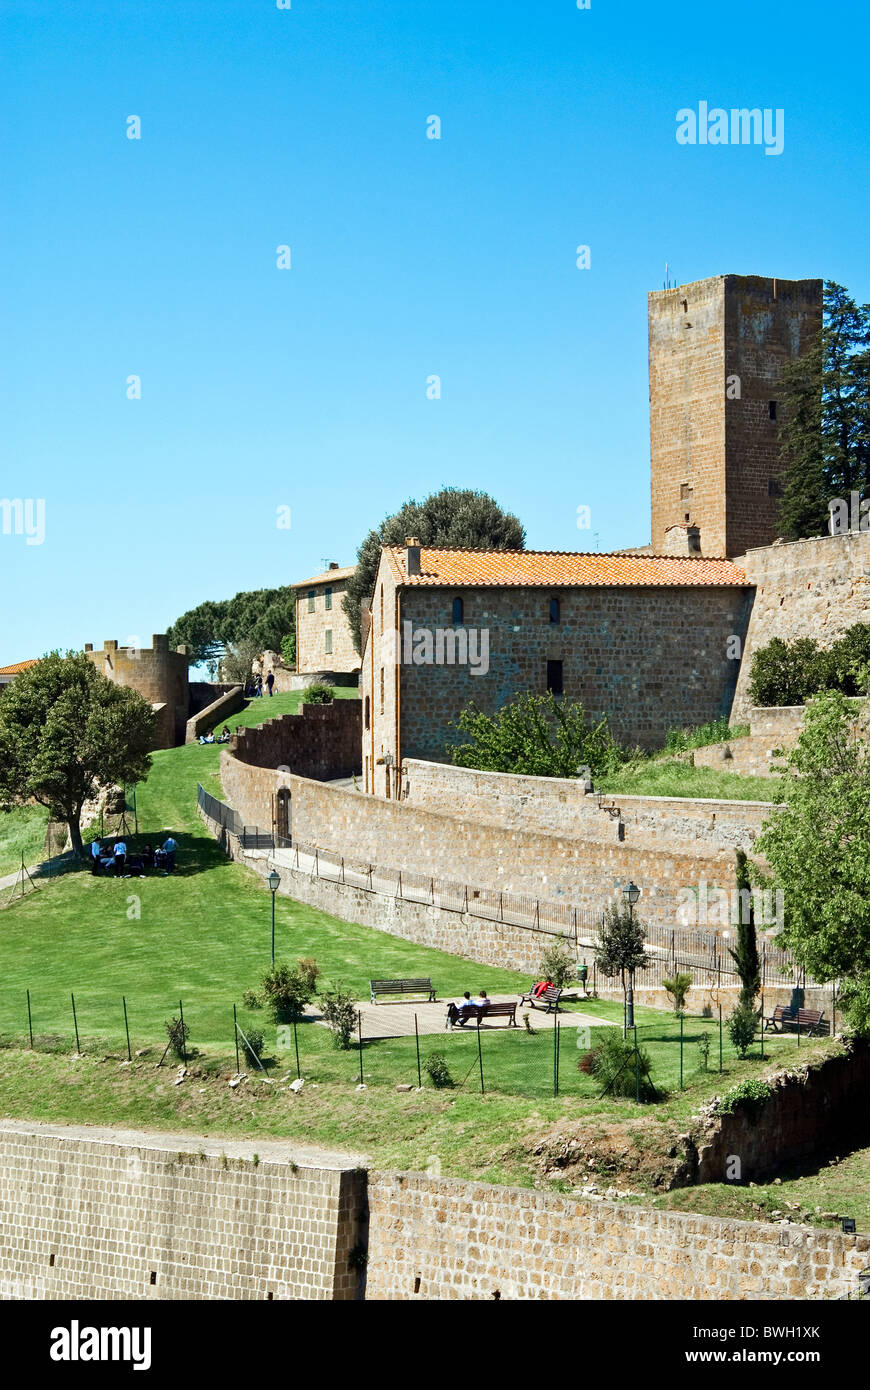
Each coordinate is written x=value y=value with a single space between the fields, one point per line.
x=306 y=388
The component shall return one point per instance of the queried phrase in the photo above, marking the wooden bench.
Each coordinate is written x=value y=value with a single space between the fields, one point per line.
x=550 y=997
x=402 y=987
x=784 y=1017
x=508 y=1011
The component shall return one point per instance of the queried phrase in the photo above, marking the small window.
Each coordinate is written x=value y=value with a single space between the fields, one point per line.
x=774 y=488
x=382 y=690
x=771 y=410
x=368 y=712
x=554 y=677
x=458 y=612
x=327 y=641
x=687 y=492
x=555 y=611
x=311 y=600
x=382 y=608
x=327 y=597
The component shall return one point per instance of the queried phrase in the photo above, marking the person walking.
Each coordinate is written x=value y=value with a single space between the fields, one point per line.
x=270 y=681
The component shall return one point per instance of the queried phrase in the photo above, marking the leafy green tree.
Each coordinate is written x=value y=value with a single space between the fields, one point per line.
x=539 y=735
x=745 y=957
x=254 y=619
x=825 y=435
x=817 y=843
x=65 y=731
x=451 y=517
x=620 y=944
x=288 y=649
x=742 y=1026
x=557 y=965
x=677 y=989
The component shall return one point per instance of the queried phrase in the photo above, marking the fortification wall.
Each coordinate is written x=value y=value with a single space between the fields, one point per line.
x=433 y=1238
x=813 y=588
x=141 y=1216
x=159 y=675
x=227 y=703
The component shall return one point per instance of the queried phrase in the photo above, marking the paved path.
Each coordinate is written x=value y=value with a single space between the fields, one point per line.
x=387 y=1020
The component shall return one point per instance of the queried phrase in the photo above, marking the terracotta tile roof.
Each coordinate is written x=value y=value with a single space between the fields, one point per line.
x=560 y=569
x=17 y=666
x=328 y=577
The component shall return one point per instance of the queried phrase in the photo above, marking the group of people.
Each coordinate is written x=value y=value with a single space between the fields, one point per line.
x=114 y=859
x=223 y=737
x=258 y=683
x=459 y=1014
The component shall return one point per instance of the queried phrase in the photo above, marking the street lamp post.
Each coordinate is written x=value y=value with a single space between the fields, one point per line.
x=631 y=893
x=273 y=881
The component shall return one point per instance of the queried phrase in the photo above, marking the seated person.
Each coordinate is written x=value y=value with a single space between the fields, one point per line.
x=225 y=734
x=541 y=988
x=148 y=857
x=160 y=859
x=206 y=738
x=483 y=1002
x=458 y=1013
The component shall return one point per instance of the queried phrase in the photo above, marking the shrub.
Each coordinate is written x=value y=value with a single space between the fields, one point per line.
x=438 y=1071
x=558 y=966
x=286 y=992
x=741 y=1028
x=704 y=1050
x=318 y=694
x=339 y=1009
x=789 y=673
x=252 y=1044
x=178 y=1034
x=748 y=1093
x=251 y=999
x=288 y=648
x=702 y=735
x=309 y=971
x=677 y=989
x=613 y=1065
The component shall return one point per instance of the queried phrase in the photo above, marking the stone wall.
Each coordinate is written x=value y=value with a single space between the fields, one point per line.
x=137 y=1216
x=586 y=874
x=814 y=588
x=433 y=1238
x=560 y=806
x=226 y=704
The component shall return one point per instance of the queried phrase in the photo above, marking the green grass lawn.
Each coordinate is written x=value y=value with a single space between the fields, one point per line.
x=22 y=831
x=668 y=777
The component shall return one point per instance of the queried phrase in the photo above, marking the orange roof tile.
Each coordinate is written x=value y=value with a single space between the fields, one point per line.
x=560 y=569
x=17 y=666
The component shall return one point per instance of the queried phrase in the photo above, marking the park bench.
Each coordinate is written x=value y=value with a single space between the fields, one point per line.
x=402 y=987
x=550 y=997
x=784 y=1017
x=507 y=1010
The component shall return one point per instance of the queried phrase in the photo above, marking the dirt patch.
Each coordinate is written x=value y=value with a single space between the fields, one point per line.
x=644 y=1154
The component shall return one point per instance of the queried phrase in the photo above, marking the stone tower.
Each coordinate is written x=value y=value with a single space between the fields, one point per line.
x=716 y=352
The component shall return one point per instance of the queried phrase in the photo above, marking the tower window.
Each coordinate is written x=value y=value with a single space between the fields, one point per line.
x=311 y=600
x=554 y=677
x=327 y=597
x=771 y=410
x=774 y=488
x=368 y=712
x=327 y=641
x=458 y=612
x=555 y=611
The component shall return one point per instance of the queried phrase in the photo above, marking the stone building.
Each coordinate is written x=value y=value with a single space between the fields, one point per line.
x=159 y=675
x=651 y=641
x=323 y=637
x=717 y=348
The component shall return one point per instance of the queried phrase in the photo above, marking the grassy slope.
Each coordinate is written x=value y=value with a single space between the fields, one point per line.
x=666 y=777
x=22 y=831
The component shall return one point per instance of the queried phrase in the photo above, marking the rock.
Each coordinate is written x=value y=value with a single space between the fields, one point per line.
x=297 y=1085
x=777 y=1182
x=362 y=1086
x=404 y=1088
x=237 y=1080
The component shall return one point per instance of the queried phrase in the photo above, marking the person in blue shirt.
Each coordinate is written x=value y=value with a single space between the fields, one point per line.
x=169 y=847
x=95 y=856
x=120 y=852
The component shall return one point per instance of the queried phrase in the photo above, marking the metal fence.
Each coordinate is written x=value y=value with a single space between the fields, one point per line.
x=703 y=953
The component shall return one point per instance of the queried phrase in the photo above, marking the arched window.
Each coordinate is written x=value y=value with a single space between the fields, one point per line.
x=368 y=712
x=555 y=611
x=458 y=612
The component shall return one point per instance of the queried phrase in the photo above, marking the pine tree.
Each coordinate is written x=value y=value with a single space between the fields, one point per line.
x=825 y=436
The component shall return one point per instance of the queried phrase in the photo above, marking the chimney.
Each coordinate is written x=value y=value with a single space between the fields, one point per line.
x=333 y=564
x=412 y=555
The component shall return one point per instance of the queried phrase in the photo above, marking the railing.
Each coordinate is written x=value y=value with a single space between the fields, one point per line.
x=704 y=954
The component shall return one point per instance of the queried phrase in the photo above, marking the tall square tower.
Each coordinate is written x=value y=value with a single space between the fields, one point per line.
x=717 y=348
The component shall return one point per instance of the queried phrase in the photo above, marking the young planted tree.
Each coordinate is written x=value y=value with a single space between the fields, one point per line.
x=65 y=731
x=620 y=944
x=539 y=735
x=745 y=957
x=452 y=517
x=817 y=843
